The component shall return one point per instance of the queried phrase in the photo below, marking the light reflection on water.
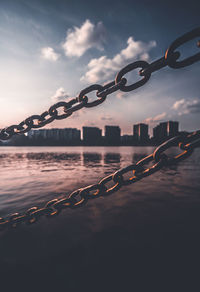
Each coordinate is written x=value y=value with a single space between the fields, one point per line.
x=34 y=175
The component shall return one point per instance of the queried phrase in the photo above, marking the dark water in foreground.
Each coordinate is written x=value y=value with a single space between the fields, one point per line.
x=144 y=237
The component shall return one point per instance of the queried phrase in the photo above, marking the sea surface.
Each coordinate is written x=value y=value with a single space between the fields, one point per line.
x=142 y=229
x=33 y=175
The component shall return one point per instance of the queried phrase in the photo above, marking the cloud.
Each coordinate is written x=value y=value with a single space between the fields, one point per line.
x=178 y=104
x=187 y=106
x=79 y=40
x=88 y=123
x=121 y=94
x=106 y=118
x=49 y=54
x=156 y=119
x=104 y=67
x=60 y=95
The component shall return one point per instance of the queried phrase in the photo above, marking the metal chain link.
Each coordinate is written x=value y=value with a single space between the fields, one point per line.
x=68 y=108
x=187 y=142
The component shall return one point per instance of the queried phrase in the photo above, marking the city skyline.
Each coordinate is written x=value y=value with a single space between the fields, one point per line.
x=94 y=136
x=103 y=129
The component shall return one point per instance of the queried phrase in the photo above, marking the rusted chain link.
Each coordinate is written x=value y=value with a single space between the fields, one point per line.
x=187 y=142
x=62 y=110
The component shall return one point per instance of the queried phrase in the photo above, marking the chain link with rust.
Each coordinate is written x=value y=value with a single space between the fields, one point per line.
x=187 y=142
x=68 y=108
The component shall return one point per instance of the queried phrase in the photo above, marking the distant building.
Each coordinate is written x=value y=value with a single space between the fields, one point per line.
x=92 y=136
x=172 y=128
x=127 y=140
x=112 y=135
x=70 y=134
x=141 y=133
x=160 y=132
x=164 y=131
x=16 y=140
x=56 y=136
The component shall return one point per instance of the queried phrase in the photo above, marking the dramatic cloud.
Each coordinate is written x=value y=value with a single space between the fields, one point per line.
x=60 y=95
x=104 y=67
x=187 y=106
x=156 y=119
x=49 y=54
x=79 y=40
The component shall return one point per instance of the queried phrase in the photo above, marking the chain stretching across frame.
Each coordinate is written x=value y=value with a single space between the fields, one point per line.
x=187 y=142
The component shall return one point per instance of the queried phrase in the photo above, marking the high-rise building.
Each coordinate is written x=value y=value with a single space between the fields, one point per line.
x=70 y=135
x=140 y=133
x=165 y=130
x=172 y=128
x=92 y=136
x=60 y=136
x=127 y=140
x=112 y=135
x=160 y=133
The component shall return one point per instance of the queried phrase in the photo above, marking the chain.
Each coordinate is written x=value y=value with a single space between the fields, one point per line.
x=62 y=110
x=187 y=142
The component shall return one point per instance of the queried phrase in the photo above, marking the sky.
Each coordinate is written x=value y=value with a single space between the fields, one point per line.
x=51 y=50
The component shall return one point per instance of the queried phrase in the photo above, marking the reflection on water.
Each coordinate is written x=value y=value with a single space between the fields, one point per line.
x=137 y=156
x=92 y=159
x=112 y=158
x=53 y=156
x=36 y=174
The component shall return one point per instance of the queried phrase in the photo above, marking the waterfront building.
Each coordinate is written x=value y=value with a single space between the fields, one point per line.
x=112 y=135
x=164 y=131
x=160 y=132
x=92 y=136
x=60 y=136
x=141 y=133
x=173 y=128
x=127 y=140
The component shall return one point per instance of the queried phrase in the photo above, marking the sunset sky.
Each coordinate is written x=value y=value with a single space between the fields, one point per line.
x=50 y=50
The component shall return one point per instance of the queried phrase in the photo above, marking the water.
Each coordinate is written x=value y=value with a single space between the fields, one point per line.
x=33 y=175
x=155 y=218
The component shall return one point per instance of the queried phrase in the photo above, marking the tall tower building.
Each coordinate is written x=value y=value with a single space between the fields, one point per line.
x=164 y=131
x=140 y=133
x=92 y=135
x=160 y=132
x=172 y=128
x=112 y=135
